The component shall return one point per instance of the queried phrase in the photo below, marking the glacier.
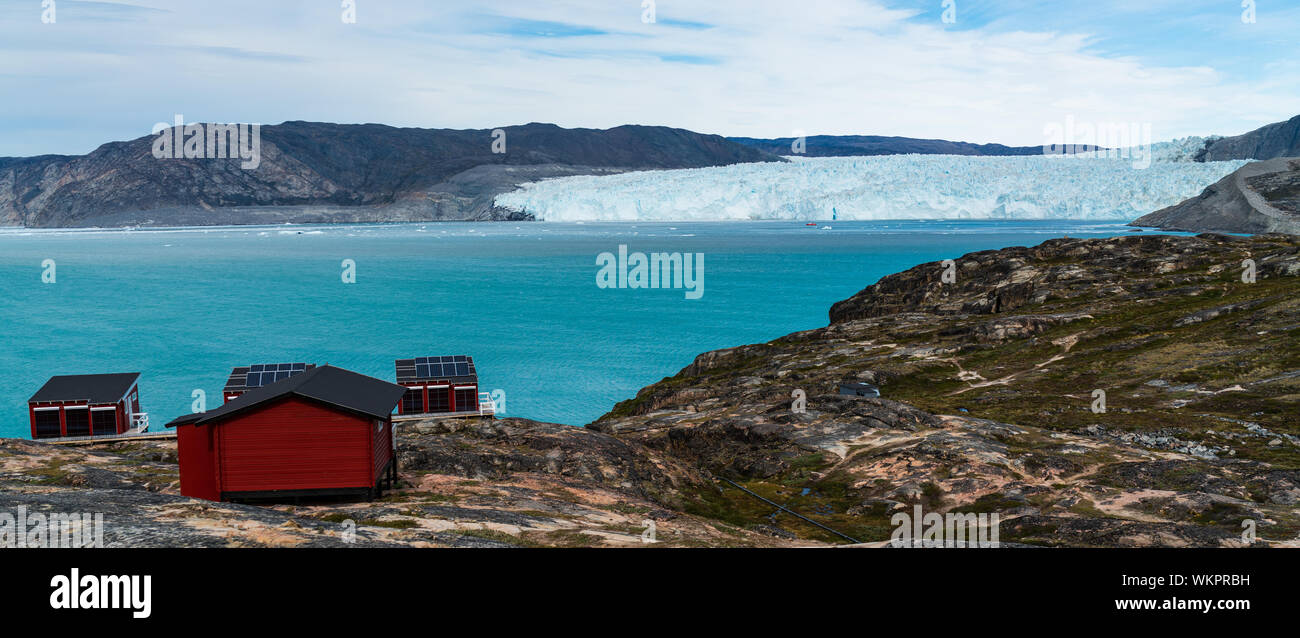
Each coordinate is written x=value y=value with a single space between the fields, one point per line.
x=880 y=187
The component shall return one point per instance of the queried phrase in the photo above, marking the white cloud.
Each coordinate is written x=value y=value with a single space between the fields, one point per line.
x=764 y=69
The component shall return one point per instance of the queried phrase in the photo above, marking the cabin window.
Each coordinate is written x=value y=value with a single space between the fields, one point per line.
x=47 y=424
x=466 y=400
x=439 y=400
x=104 y=421
x=78 y=421
x=413 y=401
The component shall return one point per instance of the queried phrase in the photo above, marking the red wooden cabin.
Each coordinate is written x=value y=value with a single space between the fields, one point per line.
x=438 y=385
x=324 y=432
x=87 y=405
x=245 y=378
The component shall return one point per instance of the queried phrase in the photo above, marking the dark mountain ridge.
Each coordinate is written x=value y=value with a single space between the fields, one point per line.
x=1280 y=139
x=316 y=172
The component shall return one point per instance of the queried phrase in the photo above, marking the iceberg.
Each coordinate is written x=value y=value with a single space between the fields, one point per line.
x=872 y=188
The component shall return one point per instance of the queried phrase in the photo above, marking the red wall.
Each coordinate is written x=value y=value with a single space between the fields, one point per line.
x=197 y=456
x=293 y=444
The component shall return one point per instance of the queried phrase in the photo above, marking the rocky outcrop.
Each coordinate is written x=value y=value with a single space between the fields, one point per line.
x=314 y=172
x=1260 y=197
x=1281 y=139
x=506 y=483
x=990 y=387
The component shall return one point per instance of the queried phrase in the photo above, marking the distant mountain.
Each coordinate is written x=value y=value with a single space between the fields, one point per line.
x=314 y=172
x=1270 y=142
x=1260 y=197
x=855 y=145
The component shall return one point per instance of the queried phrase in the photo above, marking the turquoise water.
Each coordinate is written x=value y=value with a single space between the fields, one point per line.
x=185 y=306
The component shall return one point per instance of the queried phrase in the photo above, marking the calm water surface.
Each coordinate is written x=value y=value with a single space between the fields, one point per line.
x=184 y=306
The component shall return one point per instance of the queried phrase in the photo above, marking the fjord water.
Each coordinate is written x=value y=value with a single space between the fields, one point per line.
x=184 y=306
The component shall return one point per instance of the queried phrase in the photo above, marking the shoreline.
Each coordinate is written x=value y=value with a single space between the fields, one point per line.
x=15 y=230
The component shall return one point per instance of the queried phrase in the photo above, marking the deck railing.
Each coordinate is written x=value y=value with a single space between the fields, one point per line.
x=140 y=422
x=486 y=406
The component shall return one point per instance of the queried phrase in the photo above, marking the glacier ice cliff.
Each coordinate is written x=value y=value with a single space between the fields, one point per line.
x=884 y=187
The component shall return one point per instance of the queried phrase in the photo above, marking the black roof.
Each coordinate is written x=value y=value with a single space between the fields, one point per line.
x=455 y=369
x=334 y=386
x=92 y=388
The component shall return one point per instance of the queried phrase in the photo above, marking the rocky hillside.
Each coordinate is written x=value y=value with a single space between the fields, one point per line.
x=312 y=172
x=864 y=145
x=1260 y=197
x=1269 y=142
x=990 y=387
x=988 y=393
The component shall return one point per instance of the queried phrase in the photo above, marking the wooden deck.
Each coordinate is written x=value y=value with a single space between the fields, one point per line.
x=110 y=438
x=439 y=416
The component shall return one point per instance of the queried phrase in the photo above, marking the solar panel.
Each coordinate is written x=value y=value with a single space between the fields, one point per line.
x=266 y=374
x=440 y=367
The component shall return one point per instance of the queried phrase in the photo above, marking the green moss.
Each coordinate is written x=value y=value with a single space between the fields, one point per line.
x=403 y=523
x=500 y=537
x=989 y=504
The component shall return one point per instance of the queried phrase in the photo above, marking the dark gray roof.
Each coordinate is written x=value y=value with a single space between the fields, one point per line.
x=333 y=386
x=94 y=388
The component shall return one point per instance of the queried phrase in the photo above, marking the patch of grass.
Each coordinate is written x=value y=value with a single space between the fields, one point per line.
x=500 y=537
x=988 y=504
x=1088 y=509
x=403 y=523
x=570 y=538
x=56 y=472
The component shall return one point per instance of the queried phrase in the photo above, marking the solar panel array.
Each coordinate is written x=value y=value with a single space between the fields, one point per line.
x=439 y=367
x=266 y=374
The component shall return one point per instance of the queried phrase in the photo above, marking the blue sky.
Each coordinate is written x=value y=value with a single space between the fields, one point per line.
x=1003 y=71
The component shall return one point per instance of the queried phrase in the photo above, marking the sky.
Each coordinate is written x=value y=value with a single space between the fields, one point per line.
x=982 y=71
